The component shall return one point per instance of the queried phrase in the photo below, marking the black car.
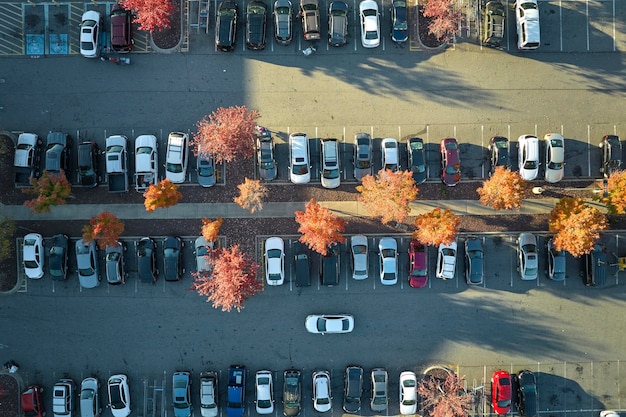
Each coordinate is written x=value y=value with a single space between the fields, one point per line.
x=329 y=267
x=292 y=392
x=337 y=23
x=88 y=164
x=265 y=155
x=474 y=264
x=310 y=14
x=302 y=264
x=146 y=260
x=283 y=22
x=499 y=149
x=399 y=25
x=353 y=389
x=57 y=152
x=172 y=258
x=57 y=259
x=594 y=267
x=256 y=23
x=611 y=154
x=362 y=156
x=527 y=394
x=226 y=25
x=417 y=159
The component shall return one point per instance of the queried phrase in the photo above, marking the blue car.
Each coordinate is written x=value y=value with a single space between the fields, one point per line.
x=180 y=394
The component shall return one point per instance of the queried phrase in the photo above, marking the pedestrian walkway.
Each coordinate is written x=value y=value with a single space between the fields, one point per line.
x=270 y=210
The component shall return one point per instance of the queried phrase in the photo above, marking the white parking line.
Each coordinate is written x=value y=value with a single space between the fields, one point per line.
x=482 y=145
x=589 y=150
x=561 y=24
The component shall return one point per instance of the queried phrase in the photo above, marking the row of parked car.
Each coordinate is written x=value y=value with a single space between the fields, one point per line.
x=87 y=261
x=92 y=28
x=505 y=388
x=309 y=13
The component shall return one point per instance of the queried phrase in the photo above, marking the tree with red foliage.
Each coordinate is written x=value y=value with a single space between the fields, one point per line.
x=615 y=198
x=164 y=194
x=227 y=134
x=51 y=189
x=436 y=227
x=251 y=195
x=152 y=15
x=233 y=279
x=577 y=225
x=211 y=228
x=504 y=190
x=320 y=228
x=443 y=396
x=445 y=18
x=105 y=228
x=388 y=194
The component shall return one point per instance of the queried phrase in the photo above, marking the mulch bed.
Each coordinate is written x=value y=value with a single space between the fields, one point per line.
x=9 y=396
x=427 y=38
x=170 y=38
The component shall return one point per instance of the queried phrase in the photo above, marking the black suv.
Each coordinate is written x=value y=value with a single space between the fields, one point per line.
x=611 y=154
x=594 y=264
x=499 y=150
x=172 y=258
x=303 y=266
x=146 y=260
x=353 y=388
x=88 y=164
x=226 y=25
x=417 y=159
x=338 y=23
x=57 y=259
x=527 y=394
x=256 y=23
x=329 y=267
x=310 y=14
x=57 y=152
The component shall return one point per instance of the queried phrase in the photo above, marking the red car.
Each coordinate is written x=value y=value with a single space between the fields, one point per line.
x=418 y=264
x=32 y=406
x=450 y=162
x=501 y=392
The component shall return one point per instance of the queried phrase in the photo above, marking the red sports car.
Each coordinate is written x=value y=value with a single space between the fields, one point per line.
x=450 y=162
x=501 y=392
x=418 y=264
x=32 y=406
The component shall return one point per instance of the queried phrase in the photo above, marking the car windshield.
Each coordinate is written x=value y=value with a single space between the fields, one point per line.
x=176 y=168
x=388 y=253
x=363 y=162
x=300 y=169
x=555 y=165
x=452 y=169
x=86 y=272
x=528 y=5
x=419 y=273
x=530 y=165
x=330 y=173
x=359 y=249
x=144 y=150
x=502 y=144
x=31 y=264
x=170 y=252
x=529 y=248
x=206 y=171
x=448 y=252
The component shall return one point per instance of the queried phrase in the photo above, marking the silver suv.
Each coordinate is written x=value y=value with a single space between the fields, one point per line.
x=331 y=174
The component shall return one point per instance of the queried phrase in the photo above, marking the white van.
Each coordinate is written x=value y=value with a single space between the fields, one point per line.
x=299 y=158
x=527 y=19
x=331 y=177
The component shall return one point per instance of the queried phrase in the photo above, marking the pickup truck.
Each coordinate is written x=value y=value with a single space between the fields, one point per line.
x=146 y=162
x=236 y=391
x=27 y=157
x=117 y=163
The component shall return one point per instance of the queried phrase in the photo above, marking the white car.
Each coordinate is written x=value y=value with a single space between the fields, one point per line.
x=299 y=158
x=390 y=154
x=87 y=264
x=335 y=323
x=264 y=392
x=528 y=158
x=90 y=397
x=527 y=23
x=177 y=156
x=208 y=394
x=370 y=24
x=90 y=34
x=388 y=257
x=555 y=157
x=119 y=395
x=146 y=162
x=32 y=255
x=408 y=392
x=202 y=251
x=446 y=261
x=275 y=261
x=528 y=259
x=358 y=245
x=322 y=400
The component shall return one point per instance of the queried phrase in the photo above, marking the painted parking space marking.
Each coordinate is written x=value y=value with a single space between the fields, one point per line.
x=11 y=21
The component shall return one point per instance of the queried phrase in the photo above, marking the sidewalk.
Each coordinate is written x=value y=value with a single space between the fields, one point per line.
x=270 y=210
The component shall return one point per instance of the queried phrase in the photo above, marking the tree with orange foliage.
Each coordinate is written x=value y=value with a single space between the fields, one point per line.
x=251 y=195
x=320 y=228
x=211 y=228
x=51 y=189
x=388 y=194
x=436 y=227
x=445 y=18
x=227 y=134
x=233 y=279
x=152 y=15
x=577 y=225
x=615 y=198
x=105 y=228
x=443 y=397
x=504 y=190
x=164 y=194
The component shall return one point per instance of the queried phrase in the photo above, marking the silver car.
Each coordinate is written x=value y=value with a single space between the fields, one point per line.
x=114 y=261
x=358 y=246
x=203 y=250
x=362 y=156
x=208 y=394
x=90 y=398
x=205 y=167
x=527 y=256
x=379 y=390
x=556 y=262
x=87 y=264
